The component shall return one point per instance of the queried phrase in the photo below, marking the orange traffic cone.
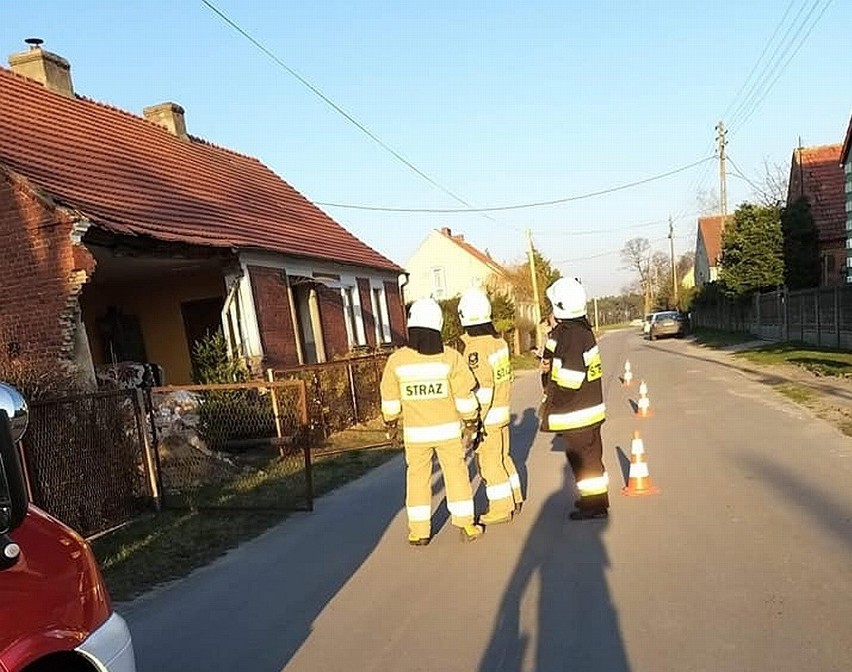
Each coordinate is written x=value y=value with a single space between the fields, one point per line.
x=627 y=377
x=643 y=406
x=639 y=480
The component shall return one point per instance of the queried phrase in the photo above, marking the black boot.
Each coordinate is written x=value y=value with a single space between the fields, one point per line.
x=588 y=514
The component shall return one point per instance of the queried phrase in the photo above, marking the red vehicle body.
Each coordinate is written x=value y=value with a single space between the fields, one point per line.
x=55 y=612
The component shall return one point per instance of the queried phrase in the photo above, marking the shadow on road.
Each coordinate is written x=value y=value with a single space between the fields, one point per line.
x=556 y=613
x=828 y=513
x=280 y=582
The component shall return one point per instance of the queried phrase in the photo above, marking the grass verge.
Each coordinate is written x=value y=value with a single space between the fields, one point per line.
x=796 y=393
x=168 y=546
x=716 y=338
x=819 y=361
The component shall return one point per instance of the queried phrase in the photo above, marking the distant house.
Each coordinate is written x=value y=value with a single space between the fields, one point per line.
x=445 y=265
x=125 y=238
x=816 y=174
x=708 y=249
x=846 y=162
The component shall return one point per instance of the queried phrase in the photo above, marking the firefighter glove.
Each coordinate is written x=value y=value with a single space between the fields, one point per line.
x=469 y=433
x=392 y=433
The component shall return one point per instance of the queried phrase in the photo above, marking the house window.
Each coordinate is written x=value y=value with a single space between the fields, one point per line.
x=354 y=319
x=439 y=282
x=383 y=330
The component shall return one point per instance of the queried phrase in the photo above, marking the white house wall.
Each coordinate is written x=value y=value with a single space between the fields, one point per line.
x=461 y=270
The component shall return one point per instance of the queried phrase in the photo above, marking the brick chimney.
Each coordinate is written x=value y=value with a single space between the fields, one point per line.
x=169 y=116
x=447 y=231
x=50 y=70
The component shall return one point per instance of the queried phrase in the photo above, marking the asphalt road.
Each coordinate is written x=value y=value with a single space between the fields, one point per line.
x=742 y=562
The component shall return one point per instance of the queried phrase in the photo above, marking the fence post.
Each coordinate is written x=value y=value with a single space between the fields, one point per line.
x=352 y=391
x=149 y=407
x=270 y=376
x=139 y=408
x=818 y=321
x=785 y=315
x=837 y=315
x=759 y=327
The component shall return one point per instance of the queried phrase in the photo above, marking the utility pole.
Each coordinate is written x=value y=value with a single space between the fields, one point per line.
x=722 y=139
x=674 y=270
x=595 y=299
x=534 y=279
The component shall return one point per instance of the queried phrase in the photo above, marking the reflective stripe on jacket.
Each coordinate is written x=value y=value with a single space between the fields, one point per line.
x=489 y=359
x=431 y=393
x=573 y=391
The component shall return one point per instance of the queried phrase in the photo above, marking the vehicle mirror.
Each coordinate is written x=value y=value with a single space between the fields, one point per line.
x=13 y=492
x=16 y=409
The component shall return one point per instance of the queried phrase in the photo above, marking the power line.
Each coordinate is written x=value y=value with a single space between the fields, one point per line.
x=615 y=230
x=759 y=93
x=771 y=63
x=759 y=59
x=520 y=206
x=786 y=63
x=618 y=251
x=360 y=126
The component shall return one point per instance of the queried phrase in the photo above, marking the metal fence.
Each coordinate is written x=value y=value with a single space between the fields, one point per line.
x=821 y=317
x=98 y=460
x=340 y=394
x=88 y=460
x=233 y=446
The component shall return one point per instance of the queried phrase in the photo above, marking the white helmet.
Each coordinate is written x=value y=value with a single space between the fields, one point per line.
x=426 y=313
x=568 y=298
x=474 y=308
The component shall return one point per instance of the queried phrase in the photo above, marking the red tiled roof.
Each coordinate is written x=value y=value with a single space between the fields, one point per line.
x=816 y=173
x=132 y=177
x=710 y=230
x=471 y=250
x=847 y=144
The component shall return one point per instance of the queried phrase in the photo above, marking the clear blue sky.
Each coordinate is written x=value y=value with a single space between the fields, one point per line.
x=500 y=102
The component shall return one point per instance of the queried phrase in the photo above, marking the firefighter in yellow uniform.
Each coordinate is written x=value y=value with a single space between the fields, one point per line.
x=430 y=389
x=487 y=356
x=573 y=407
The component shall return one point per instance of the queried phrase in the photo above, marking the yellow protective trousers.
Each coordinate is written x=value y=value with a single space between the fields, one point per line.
x=418 y=479
x=497 y=469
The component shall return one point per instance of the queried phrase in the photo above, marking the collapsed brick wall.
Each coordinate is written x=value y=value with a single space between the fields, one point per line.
x=274 y=319
x=43 y=267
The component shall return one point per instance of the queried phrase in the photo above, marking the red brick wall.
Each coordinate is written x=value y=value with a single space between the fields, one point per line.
x=396 y=313
x=367 y=310
x=42 y=273
x=333 y=325
x=272 y=305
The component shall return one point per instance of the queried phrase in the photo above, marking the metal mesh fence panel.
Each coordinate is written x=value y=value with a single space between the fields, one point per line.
x=85 y=459
x=340 y=394
x=239 y=446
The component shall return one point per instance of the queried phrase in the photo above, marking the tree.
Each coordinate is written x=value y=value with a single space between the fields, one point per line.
x=636 y=256
x=773 y=186
x=521 y=280
x=708 y=202
x=752 y=250
x=801 y=245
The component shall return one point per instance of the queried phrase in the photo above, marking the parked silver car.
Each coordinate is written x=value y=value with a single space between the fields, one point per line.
x=668 y=323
